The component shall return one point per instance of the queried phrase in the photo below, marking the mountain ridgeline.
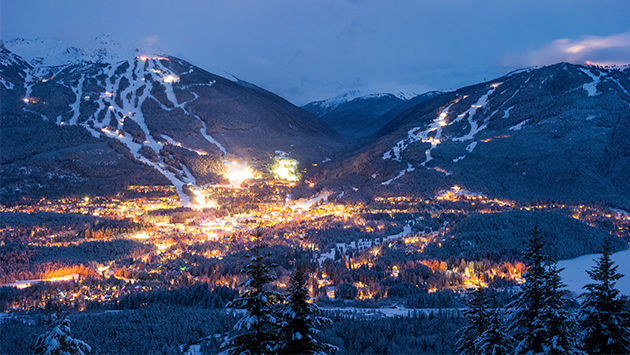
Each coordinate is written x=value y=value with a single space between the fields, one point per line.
x=362 y=116
x=555 y=133
x=96 y=125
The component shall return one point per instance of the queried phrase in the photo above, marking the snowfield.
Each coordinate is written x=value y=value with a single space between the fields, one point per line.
x=575 y=276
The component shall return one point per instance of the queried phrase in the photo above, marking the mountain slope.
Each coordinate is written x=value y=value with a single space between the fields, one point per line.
x=356 y=116
x=552 y=133
x=161 y=112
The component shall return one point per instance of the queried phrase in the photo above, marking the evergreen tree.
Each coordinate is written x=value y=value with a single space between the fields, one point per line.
x=604 y=316
x=301 y=321
x=58 y=341
x=257 y=331
x=527 y=310
x=495 y=339
x=558 y=325
x=477 y=315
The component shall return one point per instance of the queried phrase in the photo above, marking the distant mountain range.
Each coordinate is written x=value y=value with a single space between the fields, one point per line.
x=560 y=132
x=354 y=115
x=95 y=120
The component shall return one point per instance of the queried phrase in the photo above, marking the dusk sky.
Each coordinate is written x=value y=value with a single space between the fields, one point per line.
x=307 y=50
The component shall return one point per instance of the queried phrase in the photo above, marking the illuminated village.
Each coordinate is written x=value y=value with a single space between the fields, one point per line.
x=163 y=245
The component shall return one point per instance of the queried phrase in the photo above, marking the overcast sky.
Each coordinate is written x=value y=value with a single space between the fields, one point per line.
x=307 y=50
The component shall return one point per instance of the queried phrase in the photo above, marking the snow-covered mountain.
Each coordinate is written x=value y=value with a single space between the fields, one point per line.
x=160 y=112
x=355 y=115
x=560 y=132
x=47 y=52
x=322 y=107
x=84 y=120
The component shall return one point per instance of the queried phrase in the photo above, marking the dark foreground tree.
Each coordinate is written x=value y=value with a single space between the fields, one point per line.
x=301 y=321
x=258 y=330
x=559 y=325
x=604 y=315
x=58 y=341
x=484 y=332
x=495 y=340
x=477 y=315
x=541 y=320
x=527 y=309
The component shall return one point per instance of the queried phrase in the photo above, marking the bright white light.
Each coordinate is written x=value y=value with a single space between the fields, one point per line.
x=285 y=169
x=200 y=201
x=170 y=78
x=237 y=172
x=161 y=246
x=442 y=119
x=141 y=236
x=434 y=141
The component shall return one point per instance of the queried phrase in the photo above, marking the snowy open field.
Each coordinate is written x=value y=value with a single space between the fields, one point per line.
x=575 y=276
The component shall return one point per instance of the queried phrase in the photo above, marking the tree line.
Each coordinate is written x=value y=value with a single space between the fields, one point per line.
x=542 y=319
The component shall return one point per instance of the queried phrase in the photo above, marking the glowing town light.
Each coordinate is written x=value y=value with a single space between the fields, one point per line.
x=434 y=141
x=212 y=236
x=285 y=169
x=237 y=172
x=495 y=85
x=141 y=236
x=30 y=100
x=200 y=201
x=170 y=78
x=143 y=58
x=161 y=246
x=442 y=119
x=395 y=271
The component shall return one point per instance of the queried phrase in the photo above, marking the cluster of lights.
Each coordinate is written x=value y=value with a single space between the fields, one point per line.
x=434 y=141
x=238 y=172
x=200 y=201
x=144 y=58
x=285 y=169
x=170 y=78
x=30 y=100
x=141 y=236
x=442 y=119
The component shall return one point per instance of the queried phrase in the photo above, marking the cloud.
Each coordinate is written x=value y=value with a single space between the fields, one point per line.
x=603 y=50
x=150 y=44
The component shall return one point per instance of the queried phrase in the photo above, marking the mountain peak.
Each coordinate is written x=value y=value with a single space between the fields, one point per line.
x=50 y=52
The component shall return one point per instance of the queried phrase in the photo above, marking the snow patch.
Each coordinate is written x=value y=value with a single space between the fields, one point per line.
x=409 y=169
x=518 y=126
x=506 y=113
x=591 y=88
x=575 y=276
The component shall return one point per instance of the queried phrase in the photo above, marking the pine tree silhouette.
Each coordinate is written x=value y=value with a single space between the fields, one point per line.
x=258 y=330
x=477 y=315
x=301 y=321
x=604 y=315
x=527 y=323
